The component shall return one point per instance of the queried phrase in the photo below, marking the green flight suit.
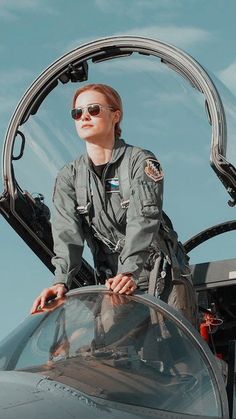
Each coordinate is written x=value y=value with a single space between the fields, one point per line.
x=134 y=231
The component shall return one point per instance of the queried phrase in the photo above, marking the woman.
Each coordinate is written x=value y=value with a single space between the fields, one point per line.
x=129 y=239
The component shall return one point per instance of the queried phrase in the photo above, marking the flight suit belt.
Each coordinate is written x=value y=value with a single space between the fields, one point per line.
x=167 y=244
x=118 y=246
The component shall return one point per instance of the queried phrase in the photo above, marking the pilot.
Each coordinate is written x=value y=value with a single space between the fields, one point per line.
x=111 y=197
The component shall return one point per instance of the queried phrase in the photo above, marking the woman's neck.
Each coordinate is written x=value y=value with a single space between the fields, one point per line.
x=100 y=154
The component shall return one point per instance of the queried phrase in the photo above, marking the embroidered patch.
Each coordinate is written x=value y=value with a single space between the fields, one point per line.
x=154 y=170
x=112 y=185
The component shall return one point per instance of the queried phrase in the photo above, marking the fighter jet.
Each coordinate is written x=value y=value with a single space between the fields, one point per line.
x=80 y=357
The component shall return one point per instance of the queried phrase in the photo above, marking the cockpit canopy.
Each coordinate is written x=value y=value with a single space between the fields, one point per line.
x=131 y=351
x=171 y=106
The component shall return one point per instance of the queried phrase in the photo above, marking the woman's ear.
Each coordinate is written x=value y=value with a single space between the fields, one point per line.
x=117 y=115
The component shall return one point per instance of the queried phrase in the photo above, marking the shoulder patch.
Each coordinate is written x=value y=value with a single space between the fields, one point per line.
x=153 y=170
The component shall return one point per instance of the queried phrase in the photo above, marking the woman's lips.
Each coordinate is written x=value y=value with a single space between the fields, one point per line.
x=86 y=126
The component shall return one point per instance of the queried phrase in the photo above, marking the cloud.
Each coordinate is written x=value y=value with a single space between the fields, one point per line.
x=11 y=82
x=9 y=10
x=67 y=143
x=10 y=77
x=7 y=105
x=228 y=77
x=135 y=9
x=132 y=65
x=178 y=35
x=182 y=37
x=78 y=43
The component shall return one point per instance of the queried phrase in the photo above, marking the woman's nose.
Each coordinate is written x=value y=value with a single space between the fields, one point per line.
x=85 y=114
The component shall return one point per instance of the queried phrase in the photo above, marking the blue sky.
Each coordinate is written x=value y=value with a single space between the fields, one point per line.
x=34 y=33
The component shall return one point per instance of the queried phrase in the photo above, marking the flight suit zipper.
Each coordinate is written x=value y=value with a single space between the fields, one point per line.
x=101 y=190
x=104 y=184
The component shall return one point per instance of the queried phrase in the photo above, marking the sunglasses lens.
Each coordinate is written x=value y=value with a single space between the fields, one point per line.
x=76 y=113
x=94 y=110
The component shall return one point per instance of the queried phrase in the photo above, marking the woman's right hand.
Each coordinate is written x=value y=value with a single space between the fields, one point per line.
x=57 y=290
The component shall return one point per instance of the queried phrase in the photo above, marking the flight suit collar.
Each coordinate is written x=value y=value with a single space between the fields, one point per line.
x=118 y=151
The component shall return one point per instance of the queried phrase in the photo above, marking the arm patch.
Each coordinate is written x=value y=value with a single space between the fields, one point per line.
x=154 y=170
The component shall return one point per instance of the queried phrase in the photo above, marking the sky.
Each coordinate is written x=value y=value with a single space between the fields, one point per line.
x=34 y=33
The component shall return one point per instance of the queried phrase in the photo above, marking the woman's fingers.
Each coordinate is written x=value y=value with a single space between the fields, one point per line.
x=57 y=290
x=122 y=284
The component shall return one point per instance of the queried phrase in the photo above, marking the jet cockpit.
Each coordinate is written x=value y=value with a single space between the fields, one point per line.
x=177 y=109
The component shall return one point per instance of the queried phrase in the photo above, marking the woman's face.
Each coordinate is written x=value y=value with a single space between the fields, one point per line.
x=97 y=128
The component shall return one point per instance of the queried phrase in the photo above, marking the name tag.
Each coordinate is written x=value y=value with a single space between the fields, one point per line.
x=112 y=185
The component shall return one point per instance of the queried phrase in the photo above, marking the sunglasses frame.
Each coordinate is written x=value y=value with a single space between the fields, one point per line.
x=74 y=111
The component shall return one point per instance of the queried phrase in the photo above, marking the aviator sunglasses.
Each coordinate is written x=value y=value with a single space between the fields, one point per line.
x=94 y=110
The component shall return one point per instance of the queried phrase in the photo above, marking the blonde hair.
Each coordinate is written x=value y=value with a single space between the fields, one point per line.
x=112 y=96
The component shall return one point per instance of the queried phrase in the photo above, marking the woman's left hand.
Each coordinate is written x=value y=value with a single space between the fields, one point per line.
x=122 y=284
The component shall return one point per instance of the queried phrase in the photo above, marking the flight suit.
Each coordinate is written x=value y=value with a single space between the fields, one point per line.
x=124 y=237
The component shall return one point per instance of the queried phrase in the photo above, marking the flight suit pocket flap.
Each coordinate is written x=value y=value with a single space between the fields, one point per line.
x=148 y=195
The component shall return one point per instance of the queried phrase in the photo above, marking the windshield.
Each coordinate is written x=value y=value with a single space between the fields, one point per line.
x=117 y=348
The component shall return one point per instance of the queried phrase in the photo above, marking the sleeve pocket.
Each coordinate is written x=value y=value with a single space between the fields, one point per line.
x=150 y=197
